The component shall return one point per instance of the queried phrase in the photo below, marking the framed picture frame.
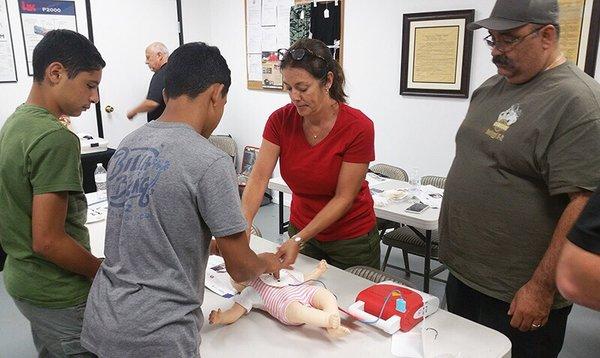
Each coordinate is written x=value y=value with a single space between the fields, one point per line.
x=579 y=32
x=436 y=54
x=8 y=65
x=40 y=16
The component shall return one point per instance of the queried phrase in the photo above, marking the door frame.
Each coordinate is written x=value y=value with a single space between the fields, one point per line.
x=90 y=26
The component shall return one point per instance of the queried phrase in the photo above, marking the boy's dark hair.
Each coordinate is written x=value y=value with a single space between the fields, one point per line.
x=73 y=50
x=194 y=67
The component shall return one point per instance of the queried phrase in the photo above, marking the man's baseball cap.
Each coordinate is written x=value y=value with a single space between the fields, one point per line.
x=510 y=14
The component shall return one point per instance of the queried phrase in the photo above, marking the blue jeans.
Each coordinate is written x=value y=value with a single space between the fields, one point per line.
x=55 y=332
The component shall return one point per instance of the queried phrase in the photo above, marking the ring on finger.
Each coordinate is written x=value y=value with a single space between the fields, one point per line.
x=533 y=325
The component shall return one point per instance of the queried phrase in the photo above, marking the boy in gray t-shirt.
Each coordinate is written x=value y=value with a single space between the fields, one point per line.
x=169 y=190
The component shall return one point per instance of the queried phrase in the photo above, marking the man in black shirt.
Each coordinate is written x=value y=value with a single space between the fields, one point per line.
x=578 y=271
x=157 y=56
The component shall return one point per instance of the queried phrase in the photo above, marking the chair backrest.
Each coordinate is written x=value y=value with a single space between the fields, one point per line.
x=377 y=276
x=438 y=182
x=390 y=171
x=255 y=231
x=227 y=144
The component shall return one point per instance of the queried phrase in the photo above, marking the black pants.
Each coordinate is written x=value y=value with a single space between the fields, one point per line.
x=545 y=342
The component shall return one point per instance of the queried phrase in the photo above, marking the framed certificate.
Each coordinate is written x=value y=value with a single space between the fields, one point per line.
x=436 y=54
x=579 y=32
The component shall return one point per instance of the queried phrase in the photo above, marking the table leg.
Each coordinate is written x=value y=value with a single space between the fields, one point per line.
x=281 y=222
x=427 y=270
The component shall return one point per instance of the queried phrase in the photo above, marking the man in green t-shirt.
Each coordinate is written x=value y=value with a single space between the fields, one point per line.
x=49 y=267
x=527 y=160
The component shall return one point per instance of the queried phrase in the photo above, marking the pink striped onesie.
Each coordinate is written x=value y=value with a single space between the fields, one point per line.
x=276 y=299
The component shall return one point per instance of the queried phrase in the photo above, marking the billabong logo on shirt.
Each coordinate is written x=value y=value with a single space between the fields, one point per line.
x=503 y=123
x=135 y=173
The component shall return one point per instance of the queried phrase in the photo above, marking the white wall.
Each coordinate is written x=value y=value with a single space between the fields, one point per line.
x=13 y=94
x=410 y=131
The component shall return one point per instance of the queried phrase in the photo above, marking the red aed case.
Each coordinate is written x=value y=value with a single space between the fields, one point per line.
x=374 y=297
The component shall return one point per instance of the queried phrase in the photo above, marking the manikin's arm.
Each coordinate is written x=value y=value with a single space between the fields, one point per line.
x=248 y=297
x=317 y=272
x=228 y=316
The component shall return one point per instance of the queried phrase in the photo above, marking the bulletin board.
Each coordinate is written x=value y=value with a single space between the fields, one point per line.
x=272 y=25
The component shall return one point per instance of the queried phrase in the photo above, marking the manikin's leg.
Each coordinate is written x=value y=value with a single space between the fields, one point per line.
x=228 y=316
x=317 y=272
x=324 y=314
x=326 y=301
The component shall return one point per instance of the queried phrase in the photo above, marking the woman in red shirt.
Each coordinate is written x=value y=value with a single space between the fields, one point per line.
x=324 y=148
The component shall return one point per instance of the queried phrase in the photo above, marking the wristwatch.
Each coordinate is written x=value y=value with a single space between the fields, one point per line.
x=298 y=240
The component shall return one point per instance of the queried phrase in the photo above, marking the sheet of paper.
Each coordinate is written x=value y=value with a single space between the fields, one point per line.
x=269 y=13
x=269 y=38
x=283 y=26
x=436 y=51
x=374 y=179
x=216 y=277
x=253 y=12
x=431 y=196
x=408 y=344
x=254 y=67
x=253 y=38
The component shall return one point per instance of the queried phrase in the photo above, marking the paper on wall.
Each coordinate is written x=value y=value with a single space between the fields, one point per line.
x=254 y=67
x=269 y=38
x=253 y=38
x=253 y=12
x=283 y=29
x=269 y=13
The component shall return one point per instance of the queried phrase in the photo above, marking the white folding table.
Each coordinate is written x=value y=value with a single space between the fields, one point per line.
x=426 y=221
x=259 y=335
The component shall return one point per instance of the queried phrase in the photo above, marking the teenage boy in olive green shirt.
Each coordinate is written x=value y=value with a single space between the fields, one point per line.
x=49 y=266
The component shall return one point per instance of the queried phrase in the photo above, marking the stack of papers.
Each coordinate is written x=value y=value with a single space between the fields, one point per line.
x=217 y=279
x=97 y=211
x=374 y=179
x=431 y=195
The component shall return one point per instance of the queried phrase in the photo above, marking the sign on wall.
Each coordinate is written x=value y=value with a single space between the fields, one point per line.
x=8 y=68
x=40 y=16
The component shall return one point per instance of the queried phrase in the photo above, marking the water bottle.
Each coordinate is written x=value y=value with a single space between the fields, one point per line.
x=100 y=179
x=415 y=183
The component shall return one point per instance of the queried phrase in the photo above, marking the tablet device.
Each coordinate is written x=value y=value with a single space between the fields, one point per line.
x=417 y=208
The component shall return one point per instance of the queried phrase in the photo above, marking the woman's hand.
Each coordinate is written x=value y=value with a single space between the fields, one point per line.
x=288 y=252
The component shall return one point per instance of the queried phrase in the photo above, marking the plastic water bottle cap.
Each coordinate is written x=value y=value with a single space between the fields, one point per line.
x=98 y=164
